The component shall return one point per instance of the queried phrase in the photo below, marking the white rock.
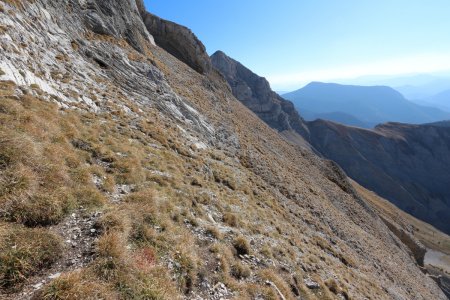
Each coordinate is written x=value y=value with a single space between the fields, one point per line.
x=54 y=276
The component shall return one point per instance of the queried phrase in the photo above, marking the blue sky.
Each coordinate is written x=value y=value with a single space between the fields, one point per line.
x=292 y=42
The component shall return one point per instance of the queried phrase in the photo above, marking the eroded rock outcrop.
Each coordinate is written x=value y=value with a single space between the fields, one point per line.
x=255 y=92
x=417 y=249
x=179 y=41
x=101 y=17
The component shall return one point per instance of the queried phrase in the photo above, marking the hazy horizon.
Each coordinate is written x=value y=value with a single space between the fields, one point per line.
x=292 y=43
x=394 y=81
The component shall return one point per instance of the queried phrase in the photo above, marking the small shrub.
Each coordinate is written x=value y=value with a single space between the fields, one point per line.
x=111 y=245
x=230 y=219
x=76 y=286
x=144 y=258
x=129 y=171
x=141 y=234
x=16 y=181
x=267 y=251
x=16 y=148
x=241 y=245
x=240 y=270
x=146 y=196
x=111 y=222
x=186 y=269
x=110 y=263
x=214 y=232
x=278 y=281
x=332 y=286
x=41 y=210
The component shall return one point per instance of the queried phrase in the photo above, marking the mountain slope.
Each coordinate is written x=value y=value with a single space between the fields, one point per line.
x=437 y=256
x=371 y=105
x=126 y=174
x=407 y=164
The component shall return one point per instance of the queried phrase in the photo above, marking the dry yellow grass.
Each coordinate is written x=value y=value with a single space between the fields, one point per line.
x=25 y=252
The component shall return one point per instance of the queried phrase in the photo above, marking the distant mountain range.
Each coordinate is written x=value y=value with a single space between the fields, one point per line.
x=424 y=90
x=363 y=106
x=440 y=100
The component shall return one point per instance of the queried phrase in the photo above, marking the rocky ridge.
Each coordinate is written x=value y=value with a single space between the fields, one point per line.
x=255 y=93
x=215 y=204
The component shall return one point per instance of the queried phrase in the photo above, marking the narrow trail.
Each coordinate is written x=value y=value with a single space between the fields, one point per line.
x=79 y=236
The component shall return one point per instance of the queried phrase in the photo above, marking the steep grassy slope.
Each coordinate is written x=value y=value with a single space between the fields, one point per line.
x=128 y=175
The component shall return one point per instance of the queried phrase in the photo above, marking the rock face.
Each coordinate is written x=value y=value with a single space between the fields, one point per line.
x=406 y=164
x=255 y=92
x=417 y=249
x=100 y=17
x=178 y=41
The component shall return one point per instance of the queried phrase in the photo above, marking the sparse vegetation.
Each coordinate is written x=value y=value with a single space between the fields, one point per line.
x=214 y=232
x=77 y=285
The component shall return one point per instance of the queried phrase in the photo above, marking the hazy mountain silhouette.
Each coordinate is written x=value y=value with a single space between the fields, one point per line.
x=336 y=116
x=415 y=91
x=370 y=104
x=440 y=100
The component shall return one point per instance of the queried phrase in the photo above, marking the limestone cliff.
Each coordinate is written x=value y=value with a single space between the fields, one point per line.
x=179 y=41
x=255 y=93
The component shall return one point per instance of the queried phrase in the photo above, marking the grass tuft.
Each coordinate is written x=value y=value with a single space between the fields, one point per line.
x=241 y=245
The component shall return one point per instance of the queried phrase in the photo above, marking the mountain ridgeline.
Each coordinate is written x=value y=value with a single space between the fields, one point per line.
x=406 y=164
x=255 y=93
x=371 y=105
